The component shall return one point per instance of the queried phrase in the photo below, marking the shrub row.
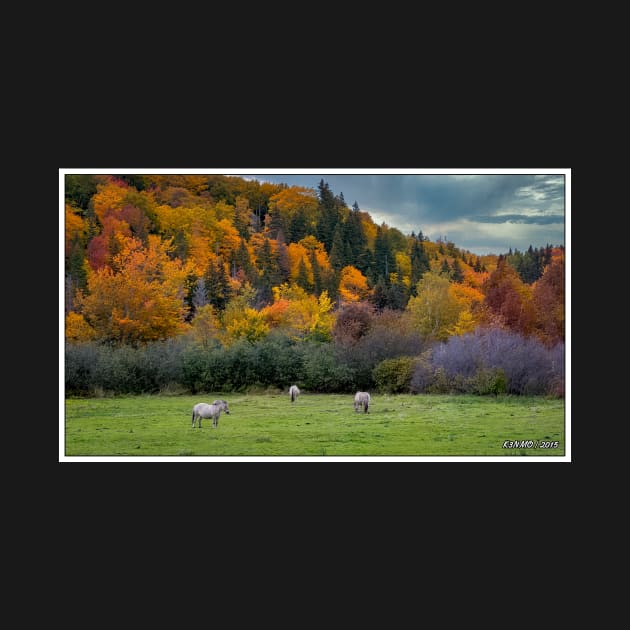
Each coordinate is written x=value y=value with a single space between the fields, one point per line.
x=483 y=362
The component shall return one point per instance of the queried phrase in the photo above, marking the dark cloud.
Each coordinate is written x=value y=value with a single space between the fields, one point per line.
x=544 y=219
x=453 y=203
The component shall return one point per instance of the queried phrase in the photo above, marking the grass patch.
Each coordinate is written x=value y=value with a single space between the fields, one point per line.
x=316 y=425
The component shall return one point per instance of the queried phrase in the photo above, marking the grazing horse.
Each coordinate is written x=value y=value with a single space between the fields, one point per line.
x=203 y=410
x=362 y=399
x=294 y=392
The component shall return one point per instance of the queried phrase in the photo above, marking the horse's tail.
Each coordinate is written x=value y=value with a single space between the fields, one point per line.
x=292 y=395
x=193 y=418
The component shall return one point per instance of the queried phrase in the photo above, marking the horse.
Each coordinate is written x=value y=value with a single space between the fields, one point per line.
x=203 y=410
x=362 y=399
x=294 y=392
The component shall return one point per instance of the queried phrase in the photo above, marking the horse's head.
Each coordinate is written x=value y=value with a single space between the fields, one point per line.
x=225 y=408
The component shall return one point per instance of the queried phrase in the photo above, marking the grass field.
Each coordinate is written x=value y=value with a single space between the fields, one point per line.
x=316 y=425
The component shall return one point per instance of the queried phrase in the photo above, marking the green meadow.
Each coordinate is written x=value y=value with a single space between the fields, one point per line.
x=316 y=425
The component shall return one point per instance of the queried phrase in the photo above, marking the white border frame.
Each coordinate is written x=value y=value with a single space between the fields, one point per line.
x=317 y=171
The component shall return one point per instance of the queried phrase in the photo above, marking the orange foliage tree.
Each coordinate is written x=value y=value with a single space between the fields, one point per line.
x=549 y=298
x=353 y=286
x=508 y=299
x=142 y=299
x=305 y=316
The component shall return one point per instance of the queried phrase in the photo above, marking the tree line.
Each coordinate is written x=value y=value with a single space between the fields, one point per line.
x=208 y=263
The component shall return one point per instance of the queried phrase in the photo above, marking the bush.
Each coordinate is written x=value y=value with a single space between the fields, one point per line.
x=393 y=376
x=487 y=357
x=323 y=372
x=80 y=361
x=486 y=382
x=389 y=337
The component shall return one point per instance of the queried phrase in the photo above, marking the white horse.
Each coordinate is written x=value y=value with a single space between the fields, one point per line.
x=362 y=399
x=203 y=410
x=294 y=392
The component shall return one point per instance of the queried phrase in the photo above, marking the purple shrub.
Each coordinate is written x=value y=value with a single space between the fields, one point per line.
x=529 y=367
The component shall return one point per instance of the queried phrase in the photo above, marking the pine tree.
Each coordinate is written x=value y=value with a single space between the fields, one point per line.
x=317 y=275
x=284 y=264
x=276 y=224
x=269 y=272
x=75 y=266
x=337 y=253
x=328 y=216
x=355 y=239
x=419 y=262
x=217 y=282
x=302 y=279
x=457 y=275
x=242 y=260
x=383 y=258
x=298 y=227
x=445 y=269
x=379 y=296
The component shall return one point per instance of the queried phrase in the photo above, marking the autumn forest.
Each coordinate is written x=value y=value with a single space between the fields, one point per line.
x=190 y=283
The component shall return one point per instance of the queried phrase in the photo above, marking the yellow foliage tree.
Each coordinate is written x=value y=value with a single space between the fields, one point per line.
x=142 y=300
x=75 y=226
x=434 y=311
x=353 y=286
x=108 y=197
x=297 y=252
x=204 y=328
x=403 y=264
x=77 y=329
x=247 y=323
x=305 y=316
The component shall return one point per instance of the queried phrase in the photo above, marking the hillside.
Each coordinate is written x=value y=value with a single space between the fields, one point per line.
x=220 y=259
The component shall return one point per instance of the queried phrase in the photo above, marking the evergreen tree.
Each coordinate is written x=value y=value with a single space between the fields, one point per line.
x=298 y=226
x=337 y=253
x=445 y=269
x=379 y=296
x=75 y=266
x=457 y=274
x=195 y=294
x=397 y=293
x=180 y=245
x=317 y=275
x=284 y=264
x=302 y=279
x=397 y=296
x=328 y=216
x=218 y=288
x=355 y=239
x=419 y=262
x=242 y=260
x=383 y=257
x=276 y=224
x=269 y=272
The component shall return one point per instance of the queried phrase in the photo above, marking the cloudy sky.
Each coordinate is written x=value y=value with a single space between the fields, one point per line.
x=481 y=213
